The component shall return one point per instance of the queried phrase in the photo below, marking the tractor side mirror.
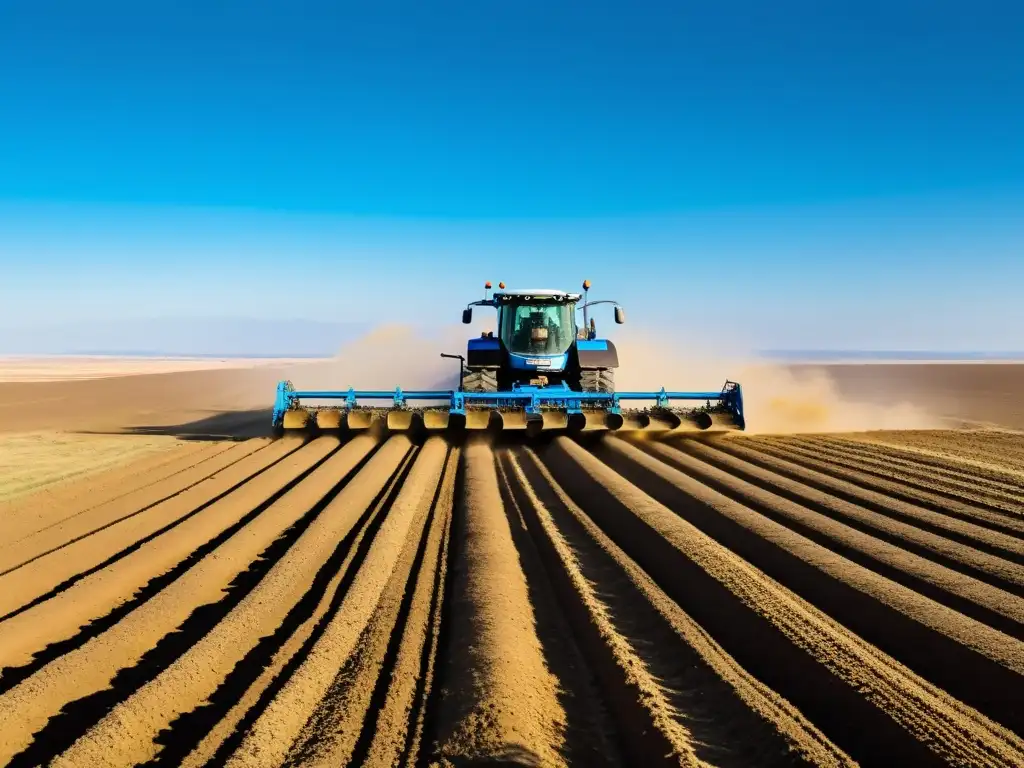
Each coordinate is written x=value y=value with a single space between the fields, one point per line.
x=620 y=315
x=467 y=315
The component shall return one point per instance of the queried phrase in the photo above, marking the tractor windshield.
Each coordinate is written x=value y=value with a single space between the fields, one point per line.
x=538 y=329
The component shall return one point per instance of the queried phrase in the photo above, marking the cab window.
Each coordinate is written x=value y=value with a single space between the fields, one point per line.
x=538 y=329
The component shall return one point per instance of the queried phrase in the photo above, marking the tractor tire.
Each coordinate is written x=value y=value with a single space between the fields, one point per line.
x=597 y=380
x=483 y=380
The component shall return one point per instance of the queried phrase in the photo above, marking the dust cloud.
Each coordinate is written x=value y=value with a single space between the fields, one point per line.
x=389 y=356
x=777 y=399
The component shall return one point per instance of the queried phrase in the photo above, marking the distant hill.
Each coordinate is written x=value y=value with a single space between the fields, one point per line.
x=192 y=337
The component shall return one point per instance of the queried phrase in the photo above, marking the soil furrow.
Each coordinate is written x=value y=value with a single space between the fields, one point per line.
x=737 y=456
x=49 y=506
x=74 y=529
x=146 y=636
x=957 y=576
x=677 y=697
x=64 y=613
x=866 y=702
x=26 y=589
x=590 y=734
x=273 y=734
x=410 y=601
x=998 y=453
x=974 y=488
x=967 y=475
x=395 y=730
x=929 y=487
x=970 y=660
x=213 y=731
x=428 y=688
x=346 y=720
x=500 y=700
x=998 y=520
x=127 y=735
x=14 y=675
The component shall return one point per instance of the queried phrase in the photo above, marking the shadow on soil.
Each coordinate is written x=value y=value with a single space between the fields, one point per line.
x=219 y=425
x=243 y=425
x=512 y=756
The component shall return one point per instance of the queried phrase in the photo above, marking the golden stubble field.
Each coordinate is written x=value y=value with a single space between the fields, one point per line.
x=178 y=589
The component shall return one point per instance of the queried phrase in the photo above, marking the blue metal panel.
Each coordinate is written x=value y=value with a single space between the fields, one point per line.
x=283 y=401
x=595 y=345
x=482 y=344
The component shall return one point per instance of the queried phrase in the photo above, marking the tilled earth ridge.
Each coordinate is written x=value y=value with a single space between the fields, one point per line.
x=394 y=601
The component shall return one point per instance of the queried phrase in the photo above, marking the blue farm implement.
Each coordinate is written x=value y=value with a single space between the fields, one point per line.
x=531 y=408
x=542 y=371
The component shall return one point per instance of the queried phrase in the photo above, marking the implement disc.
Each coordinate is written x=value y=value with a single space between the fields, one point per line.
x=399 y=421
x=359 y=419
x=436 y=419
x=477 y=418
x=328 y=418
x=296 y=419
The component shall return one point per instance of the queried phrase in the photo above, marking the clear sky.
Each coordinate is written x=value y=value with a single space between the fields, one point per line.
x=789 y=174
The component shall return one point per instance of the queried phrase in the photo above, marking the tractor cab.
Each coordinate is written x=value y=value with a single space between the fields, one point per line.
x=539 y=343
x=536 y=322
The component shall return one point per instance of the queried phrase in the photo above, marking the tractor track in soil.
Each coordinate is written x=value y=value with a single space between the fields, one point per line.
x=391 y=600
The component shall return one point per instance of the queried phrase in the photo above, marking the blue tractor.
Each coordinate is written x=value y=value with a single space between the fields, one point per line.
x=539 y=343
x=541 y=371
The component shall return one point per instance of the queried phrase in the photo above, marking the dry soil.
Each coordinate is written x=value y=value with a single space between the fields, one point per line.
x=388 y=600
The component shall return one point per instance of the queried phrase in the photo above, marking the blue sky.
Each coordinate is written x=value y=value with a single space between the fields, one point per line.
x=794 y=174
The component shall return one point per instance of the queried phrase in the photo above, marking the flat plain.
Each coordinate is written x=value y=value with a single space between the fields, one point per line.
x=200 y=594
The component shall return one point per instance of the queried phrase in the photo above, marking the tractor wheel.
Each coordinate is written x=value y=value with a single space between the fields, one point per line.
x=597 y=380
x=483 y=380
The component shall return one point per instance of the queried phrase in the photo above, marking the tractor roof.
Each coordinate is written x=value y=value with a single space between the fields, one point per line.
x=543 y=294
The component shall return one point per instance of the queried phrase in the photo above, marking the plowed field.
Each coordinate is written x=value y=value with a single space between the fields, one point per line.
x=390 y=601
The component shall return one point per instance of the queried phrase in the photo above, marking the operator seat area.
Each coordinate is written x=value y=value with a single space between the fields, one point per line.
x=537 y=331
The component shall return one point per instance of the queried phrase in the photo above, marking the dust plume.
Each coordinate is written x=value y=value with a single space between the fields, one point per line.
x=777 y=399
x=389 y=356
